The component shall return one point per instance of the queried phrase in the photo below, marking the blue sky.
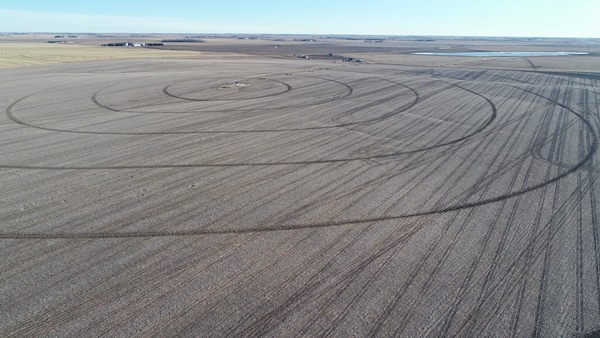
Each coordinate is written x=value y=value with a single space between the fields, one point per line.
x=551 y=18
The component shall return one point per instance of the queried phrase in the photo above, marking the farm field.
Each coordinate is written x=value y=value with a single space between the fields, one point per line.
x=27 y=54
x=264 y=195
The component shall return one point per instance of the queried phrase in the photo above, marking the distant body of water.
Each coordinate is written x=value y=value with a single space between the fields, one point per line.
x=504 y=54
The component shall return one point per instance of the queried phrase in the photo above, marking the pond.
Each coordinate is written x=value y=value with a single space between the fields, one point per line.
x=503 y=54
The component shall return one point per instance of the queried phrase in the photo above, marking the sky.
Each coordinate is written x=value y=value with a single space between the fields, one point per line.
x=517 y=18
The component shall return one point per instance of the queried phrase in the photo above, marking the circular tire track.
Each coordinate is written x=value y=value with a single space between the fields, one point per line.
x=349 y=91
x=200 y=165
x=493 y=115
x=167 y=92
x=196 y=232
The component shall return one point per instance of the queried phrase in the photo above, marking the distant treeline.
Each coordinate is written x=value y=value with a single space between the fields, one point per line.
x=131 y=44
x=182 y=40
x=114 y=44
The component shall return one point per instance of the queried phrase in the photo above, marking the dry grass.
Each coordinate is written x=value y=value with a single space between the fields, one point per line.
x=36 y=54
x=553 y=63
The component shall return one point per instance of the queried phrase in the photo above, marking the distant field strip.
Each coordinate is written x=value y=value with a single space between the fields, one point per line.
x=22 y=54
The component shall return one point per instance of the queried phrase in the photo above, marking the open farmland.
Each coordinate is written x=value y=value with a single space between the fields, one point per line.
x=13 y=55
x=265 y=196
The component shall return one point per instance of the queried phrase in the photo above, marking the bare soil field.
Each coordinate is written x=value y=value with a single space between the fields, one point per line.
x=275 y=196
x=400 y=52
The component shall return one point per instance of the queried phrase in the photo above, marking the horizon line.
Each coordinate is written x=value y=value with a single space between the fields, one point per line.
x=313 y=34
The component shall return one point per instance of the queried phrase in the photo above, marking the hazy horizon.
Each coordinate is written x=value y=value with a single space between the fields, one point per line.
x=559 y=19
